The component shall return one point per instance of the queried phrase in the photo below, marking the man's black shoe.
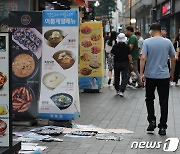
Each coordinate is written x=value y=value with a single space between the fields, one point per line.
x=151 y=127
x=162 y=131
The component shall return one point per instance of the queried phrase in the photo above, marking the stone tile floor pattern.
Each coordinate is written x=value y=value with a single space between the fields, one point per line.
x=107 y=110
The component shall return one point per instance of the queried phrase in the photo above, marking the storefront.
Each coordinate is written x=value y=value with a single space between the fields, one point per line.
x=176 y=16
x=167 y=13
x=143 y=21
x=166 y=17
x=8 y=5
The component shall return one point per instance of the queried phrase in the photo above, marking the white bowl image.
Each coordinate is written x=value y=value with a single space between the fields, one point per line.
x=52 y=79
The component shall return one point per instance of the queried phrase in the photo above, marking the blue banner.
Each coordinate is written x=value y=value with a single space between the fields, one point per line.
x=57 y=116
x=61 y=38
x=60 y=18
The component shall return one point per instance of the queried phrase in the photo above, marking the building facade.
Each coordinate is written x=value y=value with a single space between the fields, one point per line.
x=166 y=12
x=117 y=21
x=140 y=10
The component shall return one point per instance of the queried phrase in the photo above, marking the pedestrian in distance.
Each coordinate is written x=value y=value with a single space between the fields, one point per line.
x=108 y=47
x=164 y=35
x=107 y=37
x=110 y=62
x=140 y=41
x=177 y=68
x=154 y=57
x=164 y=32
x=133 y=45
x=122 y=60
x=140 y=44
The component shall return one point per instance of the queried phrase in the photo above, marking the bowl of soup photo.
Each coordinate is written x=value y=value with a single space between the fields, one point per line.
x=65 y=58
x=54 y=37
x=24 y=65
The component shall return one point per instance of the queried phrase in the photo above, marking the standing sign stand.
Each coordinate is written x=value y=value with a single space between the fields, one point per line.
x=59 y=98
x=91 y=57
x=26 y=28
x=6 y=144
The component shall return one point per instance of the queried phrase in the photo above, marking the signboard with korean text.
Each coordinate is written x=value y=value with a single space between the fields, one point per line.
x=26 y=29
x=59 y=98
x=5 y=108
x=91 y=55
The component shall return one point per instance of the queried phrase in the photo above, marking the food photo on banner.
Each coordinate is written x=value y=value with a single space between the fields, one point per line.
x=26 y=29
x=59 y=81
x=91 y=55
x=5 y=92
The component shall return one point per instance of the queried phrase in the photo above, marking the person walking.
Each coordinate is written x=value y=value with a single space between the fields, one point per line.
x=154 y=57
x=140 y=41
x=122 y=59
x=140 y=44
x=164 y=32
x=164 y=35
x=110 y=62
x=177 y=68
x=133 y=45
x=108 y=48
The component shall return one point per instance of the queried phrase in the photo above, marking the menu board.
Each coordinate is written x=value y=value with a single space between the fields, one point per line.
x=59 y=98
x=91 y=55
x=26 y=29
x=5 y=108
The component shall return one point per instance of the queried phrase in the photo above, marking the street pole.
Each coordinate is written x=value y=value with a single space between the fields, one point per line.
x=156 y=11
x=130 y=10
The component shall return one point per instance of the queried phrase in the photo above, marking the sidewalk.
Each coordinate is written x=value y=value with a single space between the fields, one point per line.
x=106 y=110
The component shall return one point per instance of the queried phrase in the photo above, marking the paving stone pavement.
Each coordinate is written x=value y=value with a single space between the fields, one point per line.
x=107 y=110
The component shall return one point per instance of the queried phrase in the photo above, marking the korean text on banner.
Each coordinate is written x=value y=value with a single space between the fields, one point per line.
x=59 y=98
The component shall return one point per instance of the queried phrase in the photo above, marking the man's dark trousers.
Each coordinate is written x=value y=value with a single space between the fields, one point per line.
x=162 y=86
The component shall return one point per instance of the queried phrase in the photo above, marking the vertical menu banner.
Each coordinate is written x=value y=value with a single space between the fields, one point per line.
x=59 y=98
x=26 y=29
x=5 y=108
x=91 y=55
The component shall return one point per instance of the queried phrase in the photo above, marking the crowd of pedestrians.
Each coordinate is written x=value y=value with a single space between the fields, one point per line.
x=153 y=63
x=134 y=43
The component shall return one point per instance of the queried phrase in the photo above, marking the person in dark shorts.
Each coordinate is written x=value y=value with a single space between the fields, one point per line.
x=110 y=62
x=108 y=47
